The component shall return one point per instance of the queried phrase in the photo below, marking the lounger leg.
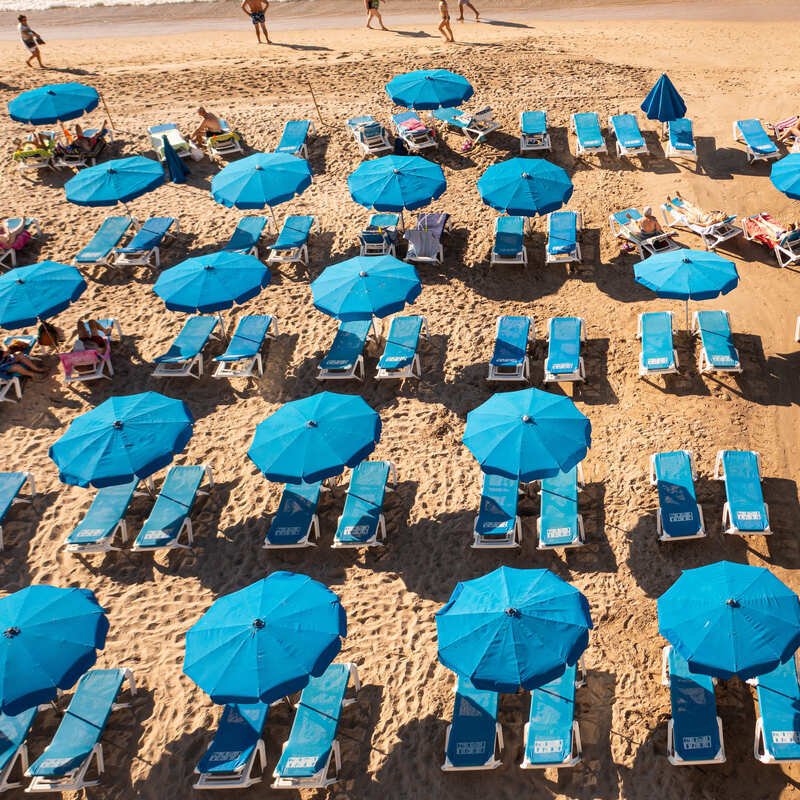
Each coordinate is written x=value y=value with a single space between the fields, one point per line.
x=259 y=365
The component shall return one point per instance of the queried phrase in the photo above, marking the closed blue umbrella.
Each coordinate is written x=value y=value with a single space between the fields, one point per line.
x=56 y=102
x=265 y=641
x=663 y=101
x=39 y=291
x=261 y=180
x=730 y=619
x=785 y=175
x=524 y=187
x=116 y=181
x=426 y=89
x=308 y=440
x=50 y=638
x=211 y=283
x=527 y=435
x=121 y=439
x=396 y=183
x=176 y=169
x=366 y=286
x=513 y=628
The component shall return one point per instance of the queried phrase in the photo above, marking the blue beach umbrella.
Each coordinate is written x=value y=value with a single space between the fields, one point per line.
x=261 y=180
x=527 y=435
x=426 y=89
x=212 y=282
x=56 y=102
x=265 y=641
x=513 y=628
x=524 y=187
x=49 y=640
x=730 y=619
x=366 y=286
x=121 y=439
x=785 y=175
x=314 y=438
x=116 y=181
x=36 y=292
x=396 y=183
x=663 y=101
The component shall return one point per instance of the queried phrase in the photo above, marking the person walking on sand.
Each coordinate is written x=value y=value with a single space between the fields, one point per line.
x=373 y=12
x=444 y=25
x=30 y=39
x=461 y=4
x=257 y=10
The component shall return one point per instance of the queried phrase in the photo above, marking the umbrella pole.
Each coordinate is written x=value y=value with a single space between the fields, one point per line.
x=108 y=113
x=687 y=314
x=313 y=97
x=274 y=221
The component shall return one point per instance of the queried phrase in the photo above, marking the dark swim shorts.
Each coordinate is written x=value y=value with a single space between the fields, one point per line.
x=257 y=17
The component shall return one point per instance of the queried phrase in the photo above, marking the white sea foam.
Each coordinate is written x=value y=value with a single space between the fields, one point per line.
x=40 y=5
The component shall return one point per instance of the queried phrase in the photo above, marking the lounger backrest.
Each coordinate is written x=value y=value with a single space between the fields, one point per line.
x=10 y=484
x=384 y=219
x=564 y=348
x=534 y=123
x=13 y=732
x=364 y=502
x=658 y=350
x=314 y=727
x=372 y=131
x=681 y=134
x=587 y=129
x=498 y=509
x=453 y=116
x=680 y=515
x=247 y=233
x=357 y=122
x=621 y=217
x=296 y=510
x=755 y=136
x=559 y=516
x=422 y=244
x=150 y=234
x=348 y=344
x=626 y=129
x=511 y=342
x=550 y=721
x=791 y=237
x=509 y=235
x=83 y=723
x=743 y=488
x=192 y=338
x=172 y=506
x=694 y=711
x=247 y=338
x=162 y=129
x=406 y=116
x=402 y=342
x=472 y=736
x=294 y=135
x=236 y=737
x=109 y=506
x=432 y=223
x=105 y=240
x=562 y=232
x=294 y=232
x=779 y=705
x=715 y=332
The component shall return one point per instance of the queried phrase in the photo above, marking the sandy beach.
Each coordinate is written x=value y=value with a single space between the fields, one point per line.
x=156 y=64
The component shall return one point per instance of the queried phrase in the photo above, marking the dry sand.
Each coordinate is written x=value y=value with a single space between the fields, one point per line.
x=392 y=740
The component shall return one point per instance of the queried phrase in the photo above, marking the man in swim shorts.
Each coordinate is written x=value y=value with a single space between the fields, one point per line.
x=461 y=4
x=30 y=39
x=256 y=10
x=373 y=12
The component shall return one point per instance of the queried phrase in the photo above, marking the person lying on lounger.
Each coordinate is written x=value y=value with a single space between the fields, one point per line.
x=15 y=363
x=87 y=143
x=696 y=215
x=91 y=335
x=649 y=225
x=13 y=237
x=792 y=132
x=210 y=126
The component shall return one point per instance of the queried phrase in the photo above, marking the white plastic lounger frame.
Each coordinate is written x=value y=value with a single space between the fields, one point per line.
x=643 y=370
x=244 y=367
x=374 y=144
x=727 y=519
x=752 y=155
x=6 y=385
x=31 y=224
x=662 y=537
x=191 y=367
x=580 y=373
x=21 y=758
x=357 y=369
x=705 y=366
x=27 y=500
x=622 y=150
x=797 y=330
x=249 y=775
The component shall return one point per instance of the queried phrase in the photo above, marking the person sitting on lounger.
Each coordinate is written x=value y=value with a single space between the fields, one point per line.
x=210 y=126
x=91 y=335
x=87 y=143
x=13 y=362
x=649 y=226
x=792 y=132
x=13 y=238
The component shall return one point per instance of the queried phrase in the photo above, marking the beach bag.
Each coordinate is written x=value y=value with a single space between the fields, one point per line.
x=49 y=335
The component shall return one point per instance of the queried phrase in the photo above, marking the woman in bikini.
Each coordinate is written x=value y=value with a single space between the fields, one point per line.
x=444 y=25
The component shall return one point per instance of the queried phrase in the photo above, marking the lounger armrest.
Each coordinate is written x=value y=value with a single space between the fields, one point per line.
x=392 y=476
x=665 y=665
x=719 y=466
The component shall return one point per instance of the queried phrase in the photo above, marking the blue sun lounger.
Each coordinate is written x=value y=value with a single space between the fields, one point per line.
x=246 y=236
x=185 y=354
x=100 y=249
x=95 y=533
x=379 y=238
x=64 y=764
x=509 y=360
x=777 y=737
x=345 y=358
x=362 y=523
x=752 y=134
x=475 y=126
x=745 y=511
x=563 y=228
x=474 y=738
x=630 y=141
x=296 y=519
x=552 y=736
x=509 y=241
x=533 y=133
x=425 y=238
x=243 y=353
x=658 y=356
x=717 y=353
x=564 y=361
x=305 y=761
x=291 y=246
x=170 y=516
x=400 y=357
x=680 y=140
x=11 y=484
x=10 y=381
x=294 y=139
x=679 y=515
x=370 y=136
x=410 y=128
x=560 y=524
x=13 y=749
x=145 y=247
x=588 y=135
x=694 y=732
x=497 y=524
x=237 y=755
